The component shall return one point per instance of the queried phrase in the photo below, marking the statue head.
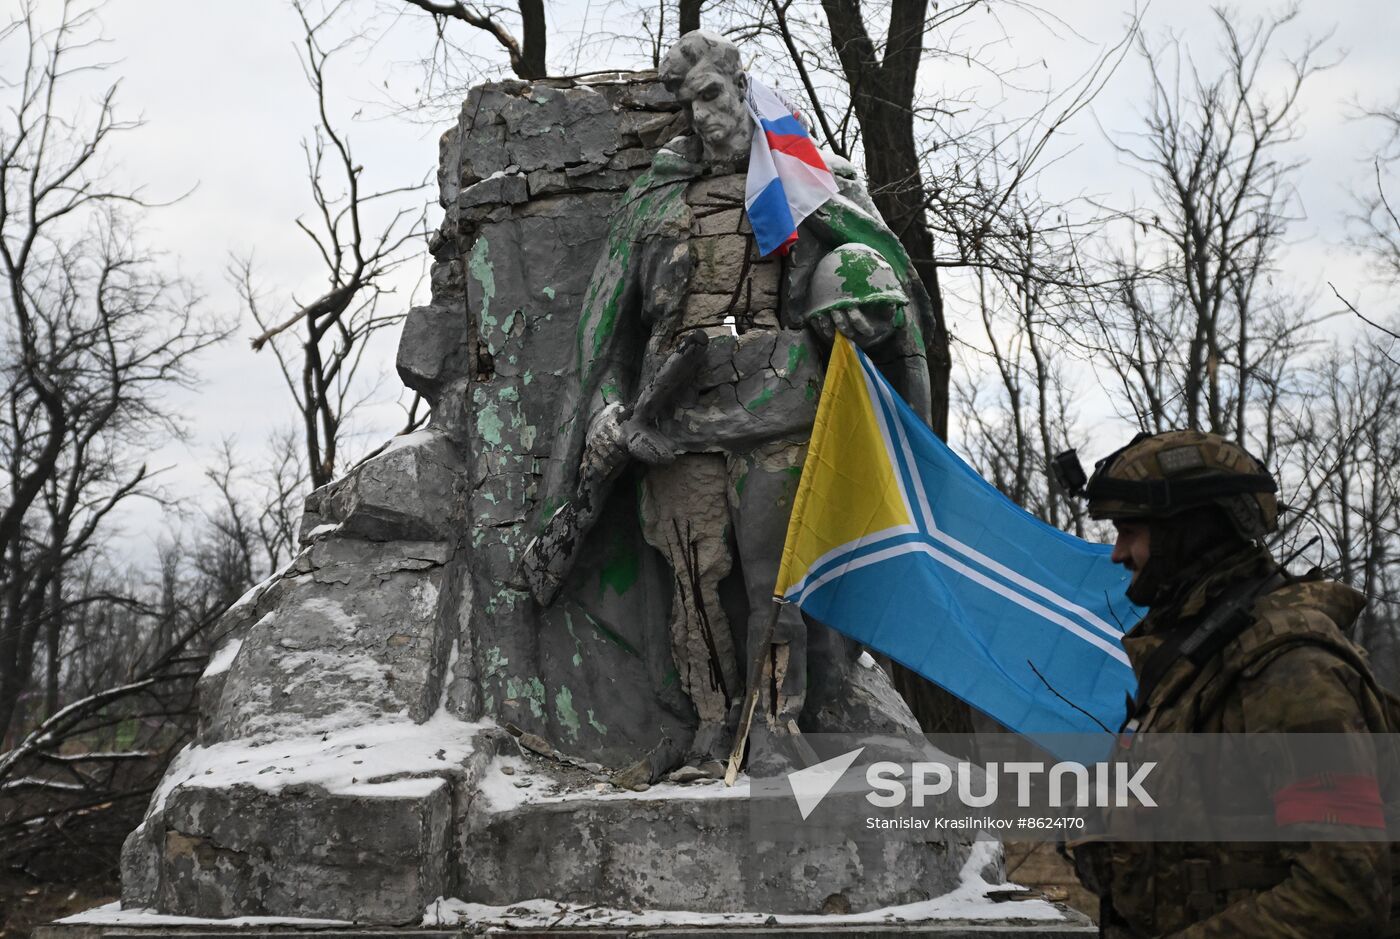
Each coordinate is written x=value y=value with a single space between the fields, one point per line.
x=704 y=73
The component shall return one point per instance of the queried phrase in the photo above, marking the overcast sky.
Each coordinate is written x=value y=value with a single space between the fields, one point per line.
x=226 y=105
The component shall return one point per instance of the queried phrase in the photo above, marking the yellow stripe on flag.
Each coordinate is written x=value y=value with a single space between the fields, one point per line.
x=849 y=489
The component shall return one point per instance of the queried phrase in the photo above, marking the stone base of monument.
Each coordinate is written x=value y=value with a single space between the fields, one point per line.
x=550 y=920
x=1074 y=927
x=681 y=846
x=272 y=840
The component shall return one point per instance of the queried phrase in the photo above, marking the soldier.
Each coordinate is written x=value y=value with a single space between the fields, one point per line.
x=1190 y=511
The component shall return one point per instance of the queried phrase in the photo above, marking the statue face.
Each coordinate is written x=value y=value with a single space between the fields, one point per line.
x=718 y=113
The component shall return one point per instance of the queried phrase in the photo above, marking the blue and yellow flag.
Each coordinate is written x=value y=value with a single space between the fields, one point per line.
x=899 y=544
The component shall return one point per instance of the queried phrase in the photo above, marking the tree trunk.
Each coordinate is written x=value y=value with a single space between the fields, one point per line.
x=53 y=628
x=533 y=40
x=690 y=15
x=882 y=93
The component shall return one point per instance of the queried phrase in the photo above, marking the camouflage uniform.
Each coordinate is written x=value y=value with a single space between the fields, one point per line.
x=1290 y=670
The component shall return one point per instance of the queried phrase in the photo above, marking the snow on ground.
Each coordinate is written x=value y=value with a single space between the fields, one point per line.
x=970 y=901
x=113 y=915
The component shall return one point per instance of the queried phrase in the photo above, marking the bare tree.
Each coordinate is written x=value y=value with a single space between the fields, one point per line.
x=128 y=662
x=94 y=335
x=1029 y=324
x=1215 y=149
x=321 y=364
x=1343 y=446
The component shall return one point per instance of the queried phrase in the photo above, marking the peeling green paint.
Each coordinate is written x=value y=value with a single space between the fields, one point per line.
x=796 y=354
x=607 y=320
x=644 y=209
x=596 y=724
x=761 y=400
x=856 y=226
x=488 y=425
x=671 y=678
x=531 y=689
x=855 y=270
x=565 y=713
x=548 y=292
x=502 y=600
x=741 y=482
x=479 y=266
x=495 y=662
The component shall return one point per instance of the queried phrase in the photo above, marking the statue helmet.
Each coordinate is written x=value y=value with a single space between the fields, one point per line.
x=1161 y=475
x=854 y=275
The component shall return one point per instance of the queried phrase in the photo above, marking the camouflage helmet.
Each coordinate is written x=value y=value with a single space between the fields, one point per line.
x=1161 y=475
x=854 y=275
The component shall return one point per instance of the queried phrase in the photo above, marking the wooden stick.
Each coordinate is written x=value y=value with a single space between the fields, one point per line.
x=736 y=756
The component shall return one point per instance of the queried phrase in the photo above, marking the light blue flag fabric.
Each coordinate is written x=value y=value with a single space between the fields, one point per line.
x=1015 y=617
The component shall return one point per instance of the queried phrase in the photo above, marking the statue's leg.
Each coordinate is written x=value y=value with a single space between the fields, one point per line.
x=763 y=484
x=685 y=516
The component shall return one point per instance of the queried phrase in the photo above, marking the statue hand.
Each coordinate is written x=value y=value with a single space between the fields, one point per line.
x=650 y=446
x=604 y=448
x=867 y=325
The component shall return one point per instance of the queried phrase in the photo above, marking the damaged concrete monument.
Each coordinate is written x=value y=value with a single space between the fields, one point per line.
x=441 y=697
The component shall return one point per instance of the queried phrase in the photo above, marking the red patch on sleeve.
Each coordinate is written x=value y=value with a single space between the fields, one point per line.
x=1332 y=800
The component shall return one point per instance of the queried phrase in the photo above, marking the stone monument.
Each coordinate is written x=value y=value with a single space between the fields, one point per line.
x=440 y=697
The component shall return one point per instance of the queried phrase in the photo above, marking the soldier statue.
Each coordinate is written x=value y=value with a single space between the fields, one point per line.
x=1233 y=644
x=722 y=441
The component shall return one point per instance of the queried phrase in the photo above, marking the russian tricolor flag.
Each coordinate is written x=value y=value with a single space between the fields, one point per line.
x=788 y=180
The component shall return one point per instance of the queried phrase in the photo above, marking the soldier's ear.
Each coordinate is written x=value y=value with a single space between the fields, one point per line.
x=741 y=81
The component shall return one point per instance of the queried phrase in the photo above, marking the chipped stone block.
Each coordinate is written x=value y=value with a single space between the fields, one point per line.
x=432 y=349
x=494 y=190
x=353 y=640
x=635 y=158
x=409 y=492
x=684 y=853
x=552 y=125
x=378 y=855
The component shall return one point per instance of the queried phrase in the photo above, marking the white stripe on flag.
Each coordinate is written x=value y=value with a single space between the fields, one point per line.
x=1039 y=589
x=976 y=577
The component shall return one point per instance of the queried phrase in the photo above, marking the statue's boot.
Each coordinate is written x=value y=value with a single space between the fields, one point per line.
x=659 y=761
